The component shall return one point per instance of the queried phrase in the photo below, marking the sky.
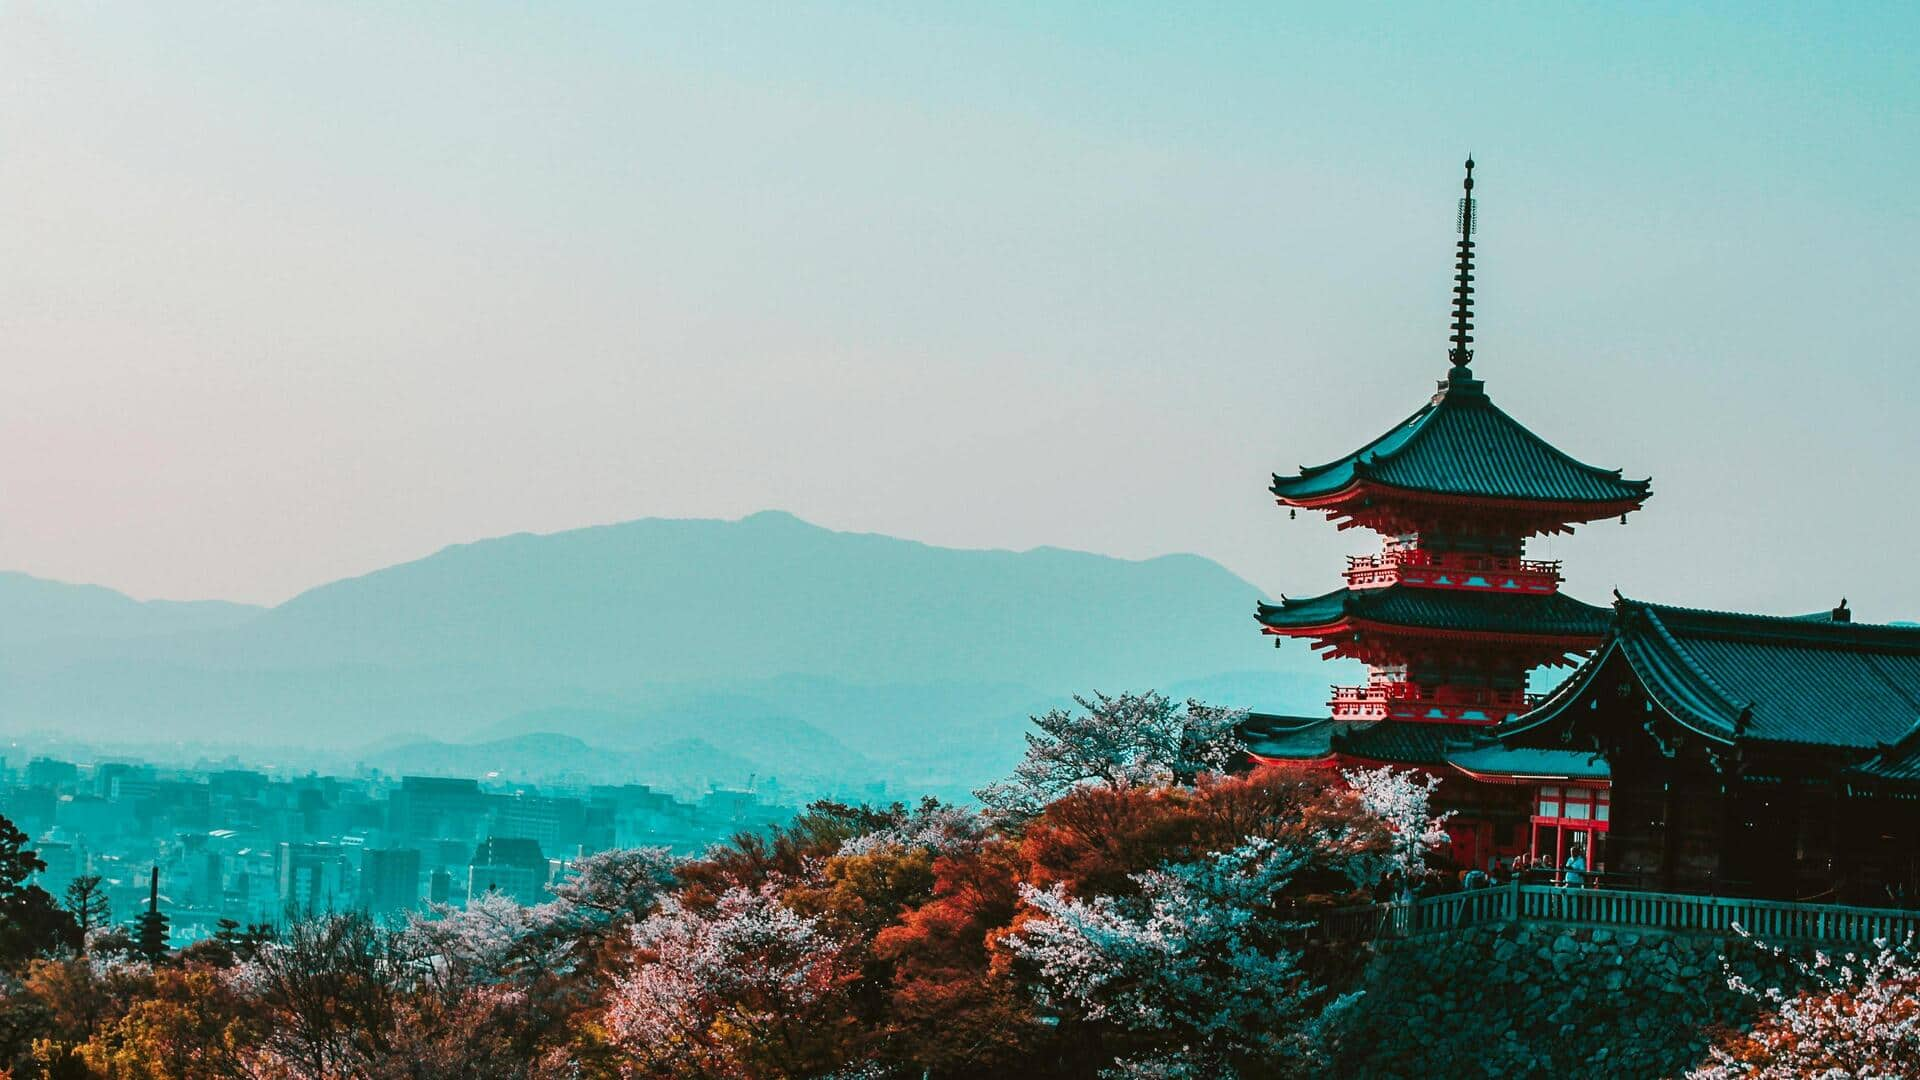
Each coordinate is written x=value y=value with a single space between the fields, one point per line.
x=291 y=292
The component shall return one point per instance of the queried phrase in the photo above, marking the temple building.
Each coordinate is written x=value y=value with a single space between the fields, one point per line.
x=1689 y=750
x=1746 y=754
x=1450 y=615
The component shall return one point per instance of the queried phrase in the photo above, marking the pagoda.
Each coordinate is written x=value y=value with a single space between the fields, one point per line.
x=1449 y=615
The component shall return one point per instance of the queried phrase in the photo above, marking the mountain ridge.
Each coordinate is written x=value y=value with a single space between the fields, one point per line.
x=846 y=654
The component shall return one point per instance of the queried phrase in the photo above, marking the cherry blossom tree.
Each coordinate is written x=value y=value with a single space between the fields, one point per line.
x=486 y=941
x=1403 y=799
x=611 y=886
x=1123 y=741
x=1860 y=1018
x=932 y=826
x=1196 y=967
x=750 y=987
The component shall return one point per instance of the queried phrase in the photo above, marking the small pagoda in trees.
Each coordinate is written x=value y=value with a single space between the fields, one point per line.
x=1449 y=615
x=150 y=929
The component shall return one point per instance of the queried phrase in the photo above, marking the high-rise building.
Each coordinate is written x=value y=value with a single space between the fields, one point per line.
x=390 y=879
x=440 y=886
x=510 y=865
x=437 y=807
x=310 y=877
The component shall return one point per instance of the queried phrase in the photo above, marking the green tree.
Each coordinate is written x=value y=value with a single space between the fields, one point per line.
x=31 y=923
x=87 y=901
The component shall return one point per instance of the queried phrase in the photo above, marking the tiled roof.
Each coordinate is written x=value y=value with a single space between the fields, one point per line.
x=1493 y=759
x=1810 y=680
x=1403 y=742
x=1461 y=443
x=1287 y=738
x=1400 y=742
x=1553 y=614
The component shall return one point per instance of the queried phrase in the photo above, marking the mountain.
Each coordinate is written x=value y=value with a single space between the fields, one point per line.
x=684 y=765
x=36 y=610
x=819 y=653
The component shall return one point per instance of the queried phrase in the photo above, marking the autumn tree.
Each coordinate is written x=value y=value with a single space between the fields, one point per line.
x=187 y=1023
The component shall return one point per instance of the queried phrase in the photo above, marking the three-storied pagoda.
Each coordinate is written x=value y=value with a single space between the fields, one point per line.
x=1450 y=615
x=1693 y=750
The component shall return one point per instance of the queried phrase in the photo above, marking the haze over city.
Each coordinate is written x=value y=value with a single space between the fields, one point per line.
x=291 y=296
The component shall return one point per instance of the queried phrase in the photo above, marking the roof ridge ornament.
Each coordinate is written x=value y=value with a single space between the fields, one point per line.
x=1462 y=337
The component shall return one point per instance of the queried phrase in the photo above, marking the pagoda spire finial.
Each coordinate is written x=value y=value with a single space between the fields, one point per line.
x=1460 y=354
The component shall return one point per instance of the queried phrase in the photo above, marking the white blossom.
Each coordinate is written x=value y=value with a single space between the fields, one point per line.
x=1199 y=955
x=1404 y=800
x=1860 y=1018
x=942 y=830
x=749 y=965
x=1123 y=741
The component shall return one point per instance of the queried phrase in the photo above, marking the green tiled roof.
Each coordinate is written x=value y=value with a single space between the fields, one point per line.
x=1287 y=738
x=1461 y=443
x=1811 y=680
x=1496 y=760
x=1299 y=738
x=1900 y=762
x=1403 y=742
x=1553 y=614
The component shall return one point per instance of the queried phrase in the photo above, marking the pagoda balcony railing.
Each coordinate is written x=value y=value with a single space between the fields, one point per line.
x=1767 y=920
x=1440 y=704
x=1456 y=570
x=1448 y=560
x=1383 y=693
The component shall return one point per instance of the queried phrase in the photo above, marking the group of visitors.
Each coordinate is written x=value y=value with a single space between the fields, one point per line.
x=1573 y=874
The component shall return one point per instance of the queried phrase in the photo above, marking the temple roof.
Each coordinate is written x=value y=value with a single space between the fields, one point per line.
x=1402 y=742
x=1437 y=747
x=1515 y=762
x=1287 y=738
x=1465 y=610
x=1819 y=680
x=1462 y=444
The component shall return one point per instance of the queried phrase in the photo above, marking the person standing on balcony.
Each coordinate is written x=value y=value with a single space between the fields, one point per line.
x=1576 y=874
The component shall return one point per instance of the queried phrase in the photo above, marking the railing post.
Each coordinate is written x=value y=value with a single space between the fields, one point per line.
x=1513 y=898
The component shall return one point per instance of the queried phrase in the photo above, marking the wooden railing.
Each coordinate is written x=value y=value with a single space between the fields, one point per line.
x=1769 y=920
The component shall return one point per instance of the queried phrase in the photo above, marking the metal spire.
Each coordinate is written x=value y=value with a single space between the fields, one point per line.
x=1460 y=354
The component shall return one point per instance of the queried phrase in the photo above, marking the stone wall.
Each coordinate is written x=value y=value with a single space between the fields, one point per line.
x=1537 y=999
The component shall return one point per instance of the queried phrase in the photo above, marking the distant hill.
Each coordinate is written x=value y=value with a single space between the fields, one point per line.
x=788 y=645
x=687 y=765
x=36 y=610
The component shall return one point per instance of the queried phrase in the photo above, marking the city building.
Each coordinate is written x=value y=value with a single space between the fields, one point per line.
x=510 y=865
x=311 y=877
x=390 y=880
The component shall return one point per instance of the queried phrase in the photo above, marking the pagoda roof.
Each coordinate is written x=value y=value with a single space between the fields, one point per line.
x=1287 y=738
x=1815 y=680
x=1399 y=742
x=1462 y=444
x=1436 y=747
x=1462 y=610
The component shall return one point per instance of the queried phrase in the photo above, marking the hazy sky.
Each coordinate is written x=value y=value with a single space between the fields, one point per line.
x=289 y=293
